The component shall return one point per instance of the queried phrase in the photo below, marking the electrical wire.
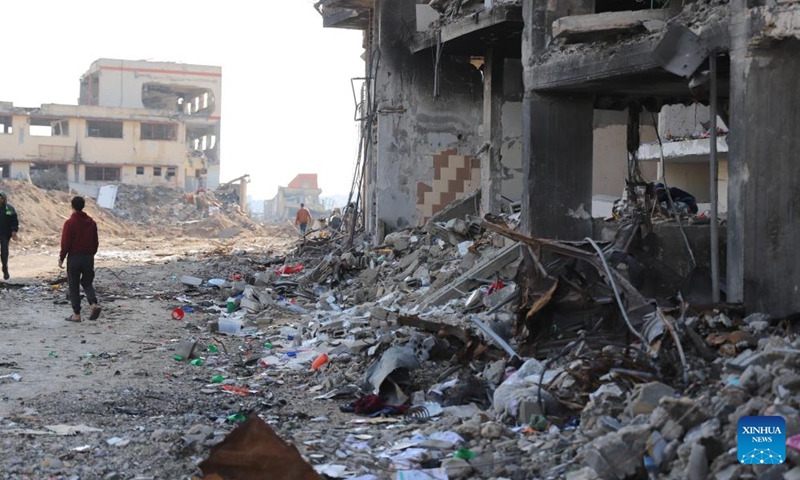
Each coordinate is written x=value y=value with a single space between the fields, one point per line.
x=616 y=292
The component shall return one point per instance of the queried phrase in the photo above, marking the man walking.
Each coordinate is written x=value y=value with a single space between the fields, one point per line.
x=9 y=225
x=79 y=245
x=303 y=218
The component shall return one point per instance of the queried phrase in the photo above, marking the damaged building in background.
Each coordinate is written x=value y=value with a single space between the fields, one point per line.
x=302 y=189
x=559 y=110
x=136 y=122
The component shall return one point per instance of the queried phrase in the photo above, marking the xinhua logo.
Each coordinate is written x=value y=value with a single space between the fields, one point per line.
x=761 y=440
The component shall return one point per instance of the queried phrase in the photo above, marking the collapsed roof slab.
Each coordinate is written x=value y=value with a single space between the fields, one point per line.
x=500 y=27
x=626 y=68
x=580 y=28
x=346 y=18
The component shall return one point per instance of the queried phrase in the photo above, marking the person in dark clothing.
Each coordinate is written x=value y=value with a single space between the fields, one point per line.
x=9 y=226
x=79 y=245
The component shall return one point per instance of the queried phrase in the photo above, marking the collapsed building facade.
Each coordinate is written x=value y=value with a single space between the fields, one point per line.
x=550 y=107
x=302 y=189
x=136 y=122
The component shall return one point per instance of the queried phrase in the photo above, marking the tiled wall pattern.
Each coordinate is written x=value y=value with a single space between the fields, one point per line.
x=454 y=177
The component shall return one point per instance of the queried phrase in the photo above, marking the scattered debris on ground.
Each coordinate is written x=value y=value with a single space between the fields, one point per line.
x=462 y=350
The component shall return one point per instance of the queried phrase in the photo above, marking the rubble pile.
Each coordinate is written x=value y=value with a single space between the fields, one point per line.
x=462 y=350
x=42 y=213
x=201 y=214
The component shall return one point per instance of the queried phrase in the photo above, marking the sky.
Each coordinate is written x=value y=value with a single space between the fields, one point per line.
x=287 y=102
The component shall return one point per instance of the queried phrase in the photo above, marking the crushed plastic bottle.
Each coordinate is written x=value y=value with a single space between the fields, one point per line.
x=213 y=348
x=197 y=362
x=177 y=357
x=237 y=417
x=268 y=345
x=217 y=379
x=464 y=454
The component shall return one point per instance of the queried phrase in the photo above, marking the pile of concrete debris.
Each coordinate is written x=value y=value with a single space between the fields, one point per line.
x=202 y=213
x=496 y=355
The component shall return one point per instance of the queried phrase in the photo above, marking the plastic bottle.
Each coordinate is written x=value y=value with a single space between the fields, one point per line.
x=217 y=379
x=237 y=417
x=320 y=361
x=213 y=348
x=197 y=362
x=177 y=357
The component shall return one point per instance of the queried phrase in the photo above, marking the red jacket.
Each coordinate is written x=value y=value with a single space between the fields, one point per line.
x=79 y=236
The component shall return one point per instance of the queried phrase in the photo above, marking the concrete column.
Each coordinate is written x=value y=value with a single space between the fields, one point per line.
x=491 y=167
x=763 y=264
x=556 y=138
x=557 y=160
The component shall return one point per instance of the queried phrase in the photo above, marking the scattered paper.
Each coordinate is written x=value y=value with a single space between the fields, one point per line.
x=331 y=470
x=431 y=474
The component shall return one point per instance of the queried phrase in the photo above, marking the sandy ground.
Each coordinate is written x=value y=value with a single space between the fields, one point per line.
x=54 y=356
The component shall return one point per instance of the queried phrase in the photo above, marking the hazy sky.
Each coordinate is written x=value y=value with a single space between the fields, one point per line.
x=287 y=104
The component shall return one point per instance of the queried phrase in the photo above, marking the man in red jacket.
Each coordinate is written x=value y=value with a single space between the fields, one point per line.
x=79 y=245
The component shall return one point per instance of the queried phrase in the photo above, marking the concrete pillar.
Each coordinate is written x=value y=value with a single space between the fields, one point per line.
x=764 y=185
x=392 y=98
x=491 y=166
x=556 y=138
x=557 y=160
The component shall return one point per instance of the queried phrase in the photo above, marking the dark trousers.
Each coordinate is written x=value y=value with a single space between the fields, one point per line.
x=80 y=273
x=303 y=228
x=4 y=251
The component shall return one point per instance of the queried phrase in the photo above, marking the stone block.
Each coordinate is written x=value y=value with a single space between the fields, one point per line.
x=618 y=455
x=646 y=396
x=456 y=468
x=369 y=276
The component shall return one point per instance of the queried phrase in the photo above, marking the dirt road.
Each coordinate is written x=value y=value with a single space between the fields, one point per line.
x=104 y=373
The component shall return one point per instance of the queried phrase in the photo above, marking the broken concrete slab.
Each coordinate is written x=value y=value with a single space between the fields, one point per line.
x=186 y=349
x=646 y=396
x=191 y=281
x=582 y=28
x=467 y=282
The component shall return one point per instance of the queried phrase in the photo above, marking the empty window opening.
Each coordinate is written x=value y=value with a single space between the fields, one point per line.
x=213 y=142
x=47 y=127
x=158 y=131
x=103 y=129
x=5 y=170
x=139 y=170
x=156 y=171
x=6 y=125
x=102 y=174
x=171 y=172
x=183 y=99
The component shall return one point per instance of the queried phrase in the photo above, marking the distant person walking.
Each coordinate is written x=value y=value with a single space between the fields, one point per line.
x=303 y=218
x=79 y=245
x=9 y=225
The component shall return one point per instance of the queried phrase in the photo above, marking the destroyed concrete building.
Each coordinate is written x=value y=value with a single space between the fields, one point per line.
x=550 y=107
x=137 y=122
x=302 y=189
